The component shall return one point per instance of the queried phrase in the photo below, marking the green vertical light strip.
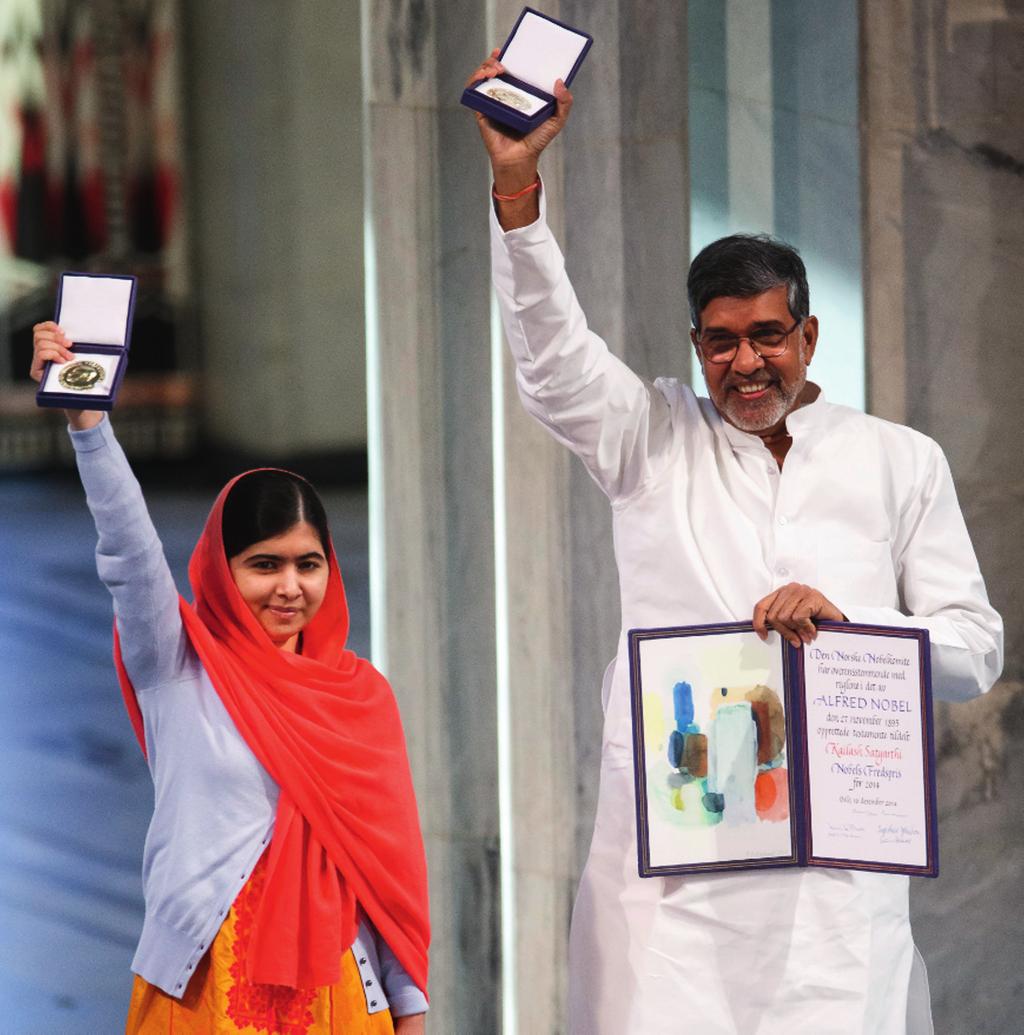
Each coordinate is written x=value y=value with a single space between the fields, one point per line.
x=374 y=418
x=816 y=177
x=708 y=136
x=774 y=147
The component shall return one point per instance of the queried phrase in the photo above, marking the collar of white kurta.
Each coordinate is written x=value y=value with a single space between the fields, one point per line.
x=801 y=423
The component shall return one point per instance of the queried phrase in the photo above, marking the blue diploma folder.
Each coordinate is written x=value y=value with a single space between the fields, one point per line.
x=752 y=754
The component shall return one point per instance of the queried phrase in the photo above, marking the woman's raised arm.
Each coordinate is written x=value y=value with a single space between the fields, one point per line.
x=129 y=555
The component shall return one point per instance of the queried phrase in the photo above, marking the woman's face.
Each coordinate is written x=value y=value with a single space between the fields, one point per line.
x=283 y=580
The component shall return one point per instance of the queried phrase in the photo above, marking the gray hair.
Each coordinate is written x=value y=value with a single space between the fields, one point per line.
x=744 y=265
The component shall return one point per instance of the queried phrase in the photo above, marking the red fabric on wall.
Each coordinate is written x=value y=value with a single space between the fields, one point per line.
x=326 y=726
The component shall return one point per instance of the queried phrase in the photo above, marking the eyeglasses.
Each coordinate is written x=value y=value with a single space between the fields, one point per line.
x=766 y=342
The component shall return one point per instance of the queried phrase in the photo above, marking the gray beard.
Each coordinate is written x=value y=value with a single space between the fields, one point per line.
x=773 y=408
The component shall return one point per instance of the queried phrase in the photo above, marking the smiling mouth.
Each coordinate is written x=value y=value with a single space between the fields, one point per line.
x=752 y=390
x=283 y=612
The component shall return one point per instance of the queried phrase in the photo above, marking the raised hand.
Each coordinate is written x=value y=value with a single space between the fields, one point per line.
x=49 y=342
x=514 y=156
x=506 y=148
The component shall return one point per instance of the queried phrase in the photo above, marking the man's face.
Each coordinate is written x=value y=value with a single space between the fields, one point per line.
x=752 y=393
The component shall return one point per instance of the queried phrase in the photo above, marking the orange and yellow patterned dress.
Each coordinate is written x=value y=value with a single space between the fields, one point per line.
x=220 y=1000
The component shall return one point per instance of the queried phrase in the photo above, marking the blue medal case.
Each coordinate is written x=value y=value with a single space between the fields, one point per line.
x=539 y=50
x=96 y=311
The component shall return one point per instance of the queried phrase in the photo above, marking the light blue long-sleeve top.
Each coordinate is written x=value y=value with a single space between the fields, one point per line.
x=214 y=803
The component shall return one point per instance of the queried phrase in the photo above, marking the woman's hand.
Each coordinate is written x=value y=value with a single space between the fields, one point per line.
x=413 y=1024
x=50 y=343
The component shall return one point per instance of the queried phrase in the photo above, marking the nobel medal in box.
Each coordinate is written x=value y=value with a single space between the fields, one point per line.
x=95 y=311
x=539 y=51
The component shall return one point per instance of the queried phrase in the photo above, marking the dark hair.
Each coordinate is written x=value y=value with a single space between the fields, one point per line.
x=745 y=265
x=263 y=504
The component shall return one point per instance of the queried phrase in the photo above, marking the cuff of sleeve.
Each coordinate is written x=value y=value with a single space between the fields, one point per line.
x=90 y=439
x=407 y=1002
x=527 y=234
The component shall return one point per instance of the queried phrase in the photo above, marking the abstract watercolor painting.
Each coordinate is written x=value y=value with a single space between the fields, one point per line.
x=713 y=739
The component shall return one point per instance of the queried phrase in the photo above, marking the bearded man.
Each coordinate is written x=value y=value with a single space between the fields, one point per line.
x=764 y=502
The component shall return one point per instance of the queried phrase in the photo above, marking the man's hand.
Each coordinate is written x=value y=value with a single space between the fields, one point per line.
x=791 y=611
x=508 y=149
x=513 y=156
x=49 y=342
x=413 y=1024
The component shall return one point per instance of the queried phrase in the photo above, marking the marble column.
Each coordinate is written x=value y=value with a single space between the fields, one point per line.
x=496 y=596
x=618 y=200
x=943 y=167
x=432 y=546
x=626 y=240
x=275 y=170
x=774 y=142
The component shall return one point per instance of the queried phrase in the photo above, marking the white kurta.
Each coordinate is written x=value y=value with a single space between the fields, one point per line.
x=705 y=525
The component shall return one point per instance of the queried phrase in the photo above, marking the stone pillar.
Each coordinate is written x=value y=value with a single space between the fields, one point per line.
x=943 y=165
x=274 y=150
x=496 y=599
x=626 y=240
x=618 y=200
x=431 y=484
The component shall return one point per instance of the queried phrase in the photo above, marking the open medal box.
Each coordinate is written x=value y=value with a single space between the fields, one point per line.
x=96 y=312
x=539 y=51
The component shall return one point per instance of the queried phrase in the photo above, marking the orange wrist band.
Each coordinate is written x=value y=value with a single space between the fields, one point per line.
x=518 y=194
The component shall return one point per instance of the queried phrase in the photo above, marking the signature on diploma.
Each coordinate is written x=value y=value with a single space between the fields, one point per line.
x=897 y=834
x=851 y=830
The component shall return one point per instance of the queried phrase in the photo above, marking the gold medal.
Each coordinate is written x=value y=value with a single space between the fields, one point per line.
x=509 y=97
x=81 y=376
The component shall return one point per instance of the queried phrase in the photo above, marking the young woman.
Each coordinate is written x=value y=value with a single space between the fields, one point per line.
x=283 y=872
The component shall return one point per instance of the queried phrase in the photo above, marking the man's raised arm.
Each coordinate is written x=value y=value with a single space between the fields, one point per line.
x=513 y=157
x=567 y=378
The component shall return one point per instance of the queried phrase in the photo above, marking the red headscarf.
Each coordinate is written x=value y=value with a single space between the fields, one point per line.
x=326 y=727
